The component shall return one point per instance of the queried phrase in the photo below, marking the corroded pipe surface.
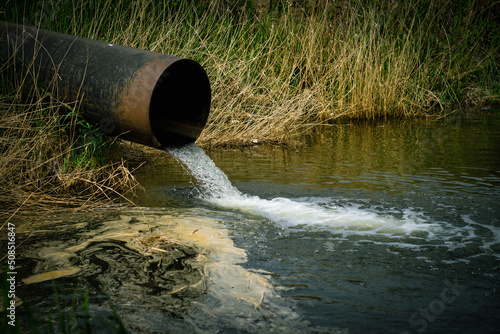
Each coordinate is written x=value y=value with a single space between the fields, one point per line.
x=147 y=97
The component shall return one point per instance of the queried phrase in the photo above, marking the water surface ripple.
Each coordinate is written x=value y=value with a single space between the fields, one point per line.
x=390 y=227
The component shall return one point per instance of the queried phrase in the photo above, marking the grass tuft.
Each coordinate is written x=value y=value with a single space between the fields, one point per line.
x=51 y=157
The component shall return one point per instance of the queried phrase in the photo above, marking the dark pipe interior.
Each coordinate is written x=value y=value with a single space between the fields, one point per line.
x=180 y=103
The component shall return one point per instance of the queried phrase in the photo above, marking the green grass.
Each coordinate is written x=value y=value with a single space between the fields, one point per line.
x=49 y=150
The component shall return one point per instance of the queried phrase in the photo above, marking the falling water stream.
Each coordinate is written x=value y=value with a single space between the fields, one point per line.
x=215 y=187
x=368 y=228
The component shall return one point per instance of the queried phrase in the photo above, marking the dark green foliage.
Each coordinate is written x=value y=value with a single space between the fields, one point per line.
x=90 y=145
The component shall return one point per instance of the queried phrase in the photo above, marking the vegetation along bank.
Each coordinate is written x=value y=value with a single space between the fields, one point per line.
x=276 y=68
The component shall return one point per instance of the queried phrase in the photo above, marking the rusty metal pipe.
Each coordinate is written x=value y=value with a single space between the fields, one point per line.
x=146 y=97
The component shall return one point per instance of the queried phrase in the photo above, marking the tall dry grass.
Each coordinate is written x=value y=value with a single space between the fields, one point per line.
x=274 y=77
x=277 y=71
x=275 y=74
x=44 y=160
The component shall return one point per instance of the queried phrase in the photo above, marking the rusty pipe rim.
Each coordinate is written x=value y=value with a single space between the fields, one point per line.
x=180 y=103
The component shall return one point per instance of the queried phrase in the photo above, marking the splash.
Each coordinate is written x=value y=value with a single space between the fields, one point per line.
x=347 y=219
x=212 y=182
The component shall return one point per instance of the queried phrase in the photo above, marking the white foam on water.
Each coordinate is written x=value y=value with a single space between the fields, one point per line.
x=347 y=219
x=493 y=242
x=227 y=295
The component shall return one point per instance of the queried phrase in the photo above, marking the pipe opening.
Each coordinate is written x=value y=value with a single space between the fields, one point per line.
x=180 y=103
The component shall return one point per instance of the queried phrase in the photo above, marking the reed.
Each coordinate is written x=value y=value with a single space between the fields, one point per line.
x=51 y=157
x=275 y=76
x=277 y=70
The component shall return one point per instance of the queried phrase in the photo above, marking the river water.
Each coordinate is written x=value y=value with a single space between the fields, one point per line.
x=389 y=227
